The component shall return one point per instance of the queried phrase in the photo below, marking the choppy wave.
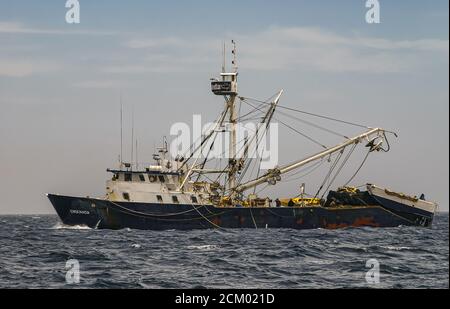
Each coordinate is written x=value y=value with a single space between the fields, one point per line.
x=394 y=248
x=34 y=253
x=203 y=247
x=62 y=226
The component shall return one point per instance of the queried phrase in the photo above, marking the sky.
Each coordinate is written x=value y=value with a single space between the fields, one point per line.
x=60 y=85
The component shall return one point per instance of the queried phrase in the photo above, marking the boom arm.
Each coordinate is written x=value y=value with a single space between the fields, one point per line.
x=283 y=170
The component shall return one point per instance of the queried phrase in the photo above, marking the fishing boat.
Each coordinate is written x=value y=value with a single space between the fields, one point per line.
x=183 y=193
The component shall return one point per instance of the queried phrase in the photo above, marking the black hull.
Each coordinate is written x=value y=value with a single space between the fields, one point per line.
x=75 y=211
x=104 y=214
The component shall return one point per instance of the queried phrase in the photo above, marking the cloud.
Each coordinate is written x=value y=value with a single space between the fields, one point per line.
x=166 y=56
x=15 y=69
x=275 y=48
x=103 y=84
x=168 y=63
x=153 y=43
x=433 y=45
x=319 y=37
x=281 y=48
x=316 y=49
x=20 y=28
x=19 y=68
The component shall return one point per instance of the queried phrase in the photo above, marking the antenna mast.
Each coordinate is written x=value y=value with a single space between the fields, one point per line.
x=233 y=119
x=234 y=52
x=121 y=132
x=227 y=87
x=132 y=136
x=137 y=162
x=224 y=58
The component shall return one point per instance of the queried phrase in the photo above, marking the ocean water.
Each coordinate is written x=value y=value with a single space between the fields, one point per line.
x=34 y=251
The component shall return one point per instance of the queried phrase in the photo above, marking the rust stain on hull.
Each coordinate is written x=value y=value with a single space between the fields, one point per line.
x=216 y=221
x=365 y=221
x=334 y=226
x=242 y=220
x=359 y=222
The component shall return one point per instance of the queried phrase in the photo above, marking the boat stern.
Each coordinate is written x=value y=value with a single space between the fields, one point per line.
x=416 y=210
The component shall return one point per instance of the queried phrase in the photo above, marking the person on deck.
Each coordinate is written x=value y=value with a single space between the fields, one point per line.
x=278 y=202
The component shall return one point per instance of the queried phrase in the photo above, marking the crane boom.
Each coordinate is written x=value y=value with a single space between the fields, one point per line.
x=271 y=174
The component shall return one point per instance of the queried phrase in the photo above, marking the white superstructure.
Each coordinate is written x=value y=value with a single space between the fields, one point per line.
x=158 y=183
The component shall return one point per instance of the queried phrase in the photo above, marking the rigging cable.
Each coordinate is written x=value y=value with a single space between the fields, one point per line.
x=314 y=125
x=293 y=129
x=266 y=120
x=366 y=157
x=207 y=155
x=253 y=218
x=219 y=120
x=212 y=223
x=255 y=136
x=308 y=171
x=359 y=168
x=243 y=146
x=333 y=166
x=314 y=115
x=257 y=145
x=347 y=157
x=155 y=217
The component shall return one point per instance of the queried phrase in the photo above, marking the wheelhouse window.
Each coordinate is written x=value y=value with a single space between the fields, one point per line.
x=175 y=199
x=128 y=176
x=126 y=196
x=194 y=199
x=159 y=198
x=161 y=179
x=141 y=177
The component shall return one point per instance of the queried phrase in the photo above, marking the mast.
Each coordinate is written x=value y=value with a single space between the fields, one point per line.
x=121 y=132
x=232 y=119
x=276 y=173
x=232 y=147
x=132 y=136
x=227 y=87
